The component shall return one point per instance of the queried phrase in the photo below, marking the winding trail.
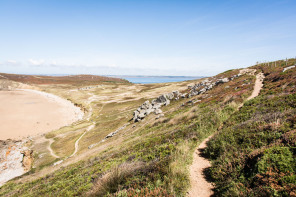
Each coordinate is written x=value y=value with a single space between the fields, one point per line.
x=50 y=149
x=90 y=100
x=88 y=128
x=77 y=141
x=200 y=186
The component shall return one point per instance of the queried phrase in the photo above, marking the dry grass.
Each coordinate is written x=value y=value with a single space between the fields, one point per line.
x=192 y=113
x=160 y=121
x=66 y=130
x=64 y=145
x=42 y=155
x=109 y=182
x=179 y=167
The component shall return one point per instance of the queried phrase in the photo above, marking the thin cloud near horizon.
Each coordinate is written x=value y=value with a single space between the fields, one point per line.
x=144 y=38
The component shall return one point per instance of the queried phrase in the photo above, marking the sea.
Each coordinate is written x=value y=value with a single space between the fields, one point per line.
x=142 y=79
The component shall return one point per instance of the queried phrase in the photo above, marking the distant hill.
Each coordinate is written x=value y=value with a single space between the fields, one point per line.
x=71 y=79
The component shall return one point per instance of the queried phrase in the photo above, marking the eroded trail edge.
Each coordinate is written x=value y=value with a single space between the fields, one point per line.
x=200 y=186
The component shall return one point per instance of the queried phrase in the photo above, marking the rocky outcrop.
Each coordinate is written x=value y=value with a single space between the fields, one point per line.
x=200 y=88
x=154 y=107
x=115 y=132
x=15 y=159
x=27 y=159
x=206 y=85
x=248 y=71
x=146 y=108
x=288 y=68
x=90 y=87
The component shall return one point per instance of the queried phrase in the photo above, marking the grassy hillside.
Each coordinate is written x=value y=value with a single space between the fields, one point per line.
x=253 y=151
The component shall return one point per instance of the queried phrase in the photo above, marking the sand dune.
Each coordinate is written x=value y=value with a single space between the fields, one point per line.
x=29 y=112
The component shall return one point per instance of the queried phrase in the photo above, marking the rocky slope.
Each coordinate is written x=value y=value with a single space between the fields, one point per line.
x=15 y=159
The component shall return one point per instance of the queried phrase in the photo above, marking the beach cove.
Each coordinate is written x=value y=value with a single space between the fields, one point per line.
x=30 y=112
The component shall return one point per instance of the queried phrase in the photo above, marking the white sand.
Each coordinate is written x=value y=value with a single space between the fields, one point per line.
x=29 y=112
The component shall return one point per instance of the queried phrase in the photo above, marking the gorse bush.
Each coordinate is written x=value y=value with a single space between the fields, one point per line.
x=277 y=159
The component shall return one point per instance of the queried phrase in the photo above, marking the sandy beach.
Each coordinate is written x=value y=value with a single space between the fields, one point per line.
x=29 y=112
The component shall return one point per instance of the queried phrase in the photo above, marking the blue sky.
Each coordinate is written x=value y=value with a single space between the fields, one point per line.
x=195 y=38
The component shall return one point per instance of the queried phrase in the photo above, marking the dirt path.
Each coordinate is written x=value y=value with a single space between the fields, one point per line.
x=77 y=141
x=200 y=186
x=90 y=100
x=258 y=85
x=50 y=149
x=88 y=129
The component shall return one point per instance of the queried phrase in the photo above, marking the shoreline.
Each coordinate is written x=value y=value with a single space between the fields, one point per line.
x=30 y=112
x=52 y=97
x=16 y=156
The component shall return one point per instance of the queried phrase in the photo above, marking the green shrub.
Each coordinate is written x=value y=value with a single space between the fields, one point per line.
x=277 y=158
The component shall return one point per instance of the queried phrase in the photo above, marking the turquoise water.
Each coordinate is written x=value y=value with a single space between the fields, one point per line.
x=157 y=79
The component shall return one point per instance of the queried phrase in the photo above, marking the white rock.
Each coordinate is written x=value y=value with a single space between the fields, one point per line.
x=288 y=68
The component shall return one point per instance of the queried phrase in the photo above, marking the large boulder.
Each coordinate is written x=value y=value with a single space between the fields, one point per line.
x=176 y=94
x=288 y=68
x=146 y=105
x=202 y=91
x=141 y=116
x=142 y=111
x=158 y=111
x=169 y=96
x=27 y=159
x=183 y=95
x=148 y=111
x=146 y=108
x=225 y=80
x=136 y=113
x=167 y=102
x=156 y=106
x=161 y=99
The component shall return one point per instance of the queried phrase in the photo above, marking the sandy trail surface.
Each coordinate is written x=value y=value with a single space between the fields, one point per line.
x=200 y=186
x=258 y=85
x=50 y=149
x=29 y=112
